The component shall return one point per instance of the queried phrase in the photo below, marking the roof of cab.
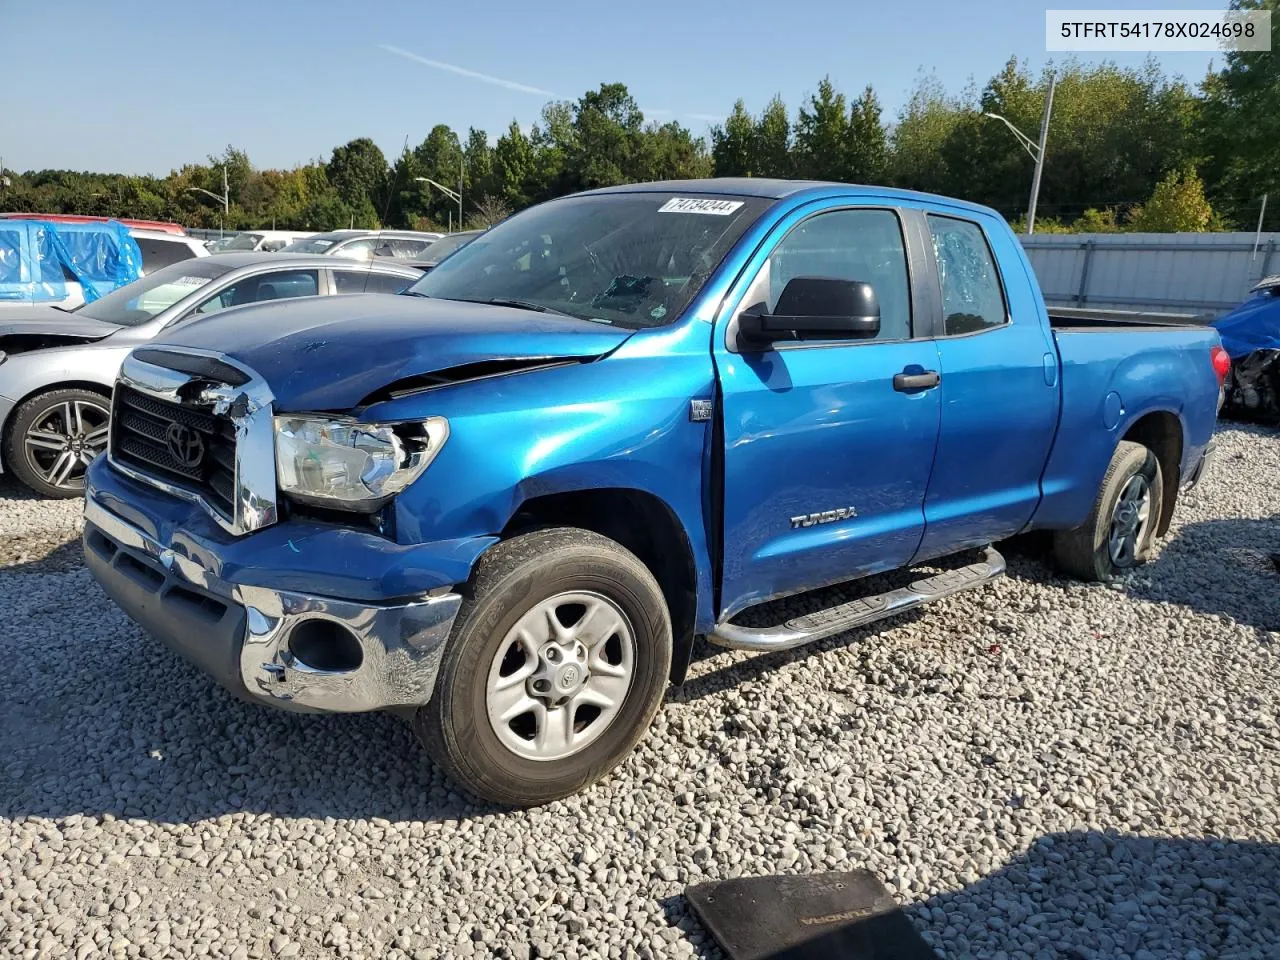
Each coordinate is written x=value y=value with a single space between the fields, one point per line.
x=772 y=189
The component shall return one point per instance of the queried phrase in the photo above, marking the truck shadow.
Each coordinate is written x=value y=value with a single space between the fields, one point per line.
x=1088 y=894
x=1217 y=567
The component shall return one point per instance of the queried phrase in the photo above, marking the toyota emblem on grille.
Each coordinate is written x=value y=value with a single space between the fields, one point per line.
x=185 y=444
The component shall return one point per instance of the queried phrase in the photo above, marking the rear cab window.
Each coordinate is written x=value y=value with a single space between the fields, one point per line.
x=972 y=292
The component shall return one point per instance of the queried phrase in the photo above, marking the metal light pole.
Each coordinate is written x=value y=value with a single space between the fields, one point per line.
x=451 y=194
x=1035 y=150
x=225 y=199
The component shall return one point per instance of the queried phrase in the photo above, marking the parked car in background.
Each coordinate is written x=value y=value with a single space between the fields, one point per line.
x=219 y=243
x=1251 y=336
x=46 y=265
x=164 y=226
x=160 y=248
x=365 y=244
x=268 y=241
x=506 y=503
x=161 y=242
x=446 y=245
x=57 y=369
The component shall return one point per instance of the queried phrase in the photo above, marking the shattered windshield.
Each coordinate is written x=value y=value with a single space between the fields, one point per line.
x=632 y=259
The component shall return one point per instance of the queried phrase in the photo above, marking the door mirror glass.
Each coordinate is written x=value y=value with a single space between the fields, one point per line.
x=815 y=308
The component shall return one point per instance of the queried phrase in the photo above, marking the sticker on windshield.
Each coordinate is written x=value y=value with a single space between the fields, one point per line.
x=322 y=243
x=717 y=208
x=191 y=281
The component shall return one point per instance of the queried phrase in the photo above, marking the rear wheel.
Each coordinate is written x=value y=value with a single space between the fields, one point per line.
x=1120 y=530
x=559 y=659
x=54 y=436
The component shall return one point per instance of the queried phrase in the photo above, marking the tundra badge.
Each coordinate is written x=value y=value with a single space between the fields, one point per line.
x=825 y=516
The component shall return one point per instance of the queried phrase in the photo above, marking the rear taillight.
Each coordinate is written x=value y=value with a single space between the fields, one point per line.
x=1221 y=363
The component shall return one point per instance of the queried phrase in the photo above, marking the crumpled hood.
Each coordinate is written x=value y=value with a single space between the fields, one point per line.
x=331 y=353
x=51 y=324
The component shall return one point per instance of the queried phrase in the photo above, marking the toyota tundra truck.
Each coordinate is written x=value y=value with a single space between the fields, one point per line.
x=506 y=503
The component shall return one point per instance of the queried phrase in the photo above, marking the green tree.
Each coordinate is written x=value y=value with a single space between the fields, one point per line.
x=1177 y=205
x=773 y=157
x=358 y=172
x=478 y=165
x=733 y=144
x=822 y=135
x=513 y=167
x=1240 y=123
x=866 y=145
x=606 y=148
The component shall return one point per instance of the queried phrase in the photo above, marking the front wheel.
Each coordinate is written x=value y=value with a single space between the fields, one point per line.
x=558 y=661
x=54 y=436
x=1121 y=528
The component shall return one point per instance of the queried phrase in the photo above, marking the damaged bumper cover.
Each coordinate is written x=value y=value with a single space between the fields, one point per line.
x=271 y=643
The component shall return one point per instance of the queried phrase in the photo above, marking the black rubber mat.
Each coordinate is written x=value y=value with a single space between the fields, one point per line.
x=832 y=916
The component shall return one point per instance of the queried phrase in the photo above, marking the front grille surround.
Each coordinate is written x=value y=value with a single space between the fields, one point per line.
x=234 y=480
x=139 y=429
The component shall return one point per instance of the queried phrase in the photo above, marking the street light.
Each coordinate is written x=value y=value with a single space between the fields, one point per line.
x=451 y=194
x=1035 y=150
x=225 y=199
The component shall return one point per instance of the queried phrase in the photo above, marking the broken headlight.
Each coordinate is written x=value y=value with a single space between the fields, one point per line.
x=340 y=462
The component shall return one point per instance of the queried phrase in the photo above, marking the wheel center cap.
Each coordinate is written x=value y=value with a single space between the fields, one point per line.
x=570 y=676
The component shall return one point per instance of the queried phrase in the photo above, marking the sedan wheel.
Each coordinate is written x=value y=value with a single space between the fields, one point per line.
x=54 y=437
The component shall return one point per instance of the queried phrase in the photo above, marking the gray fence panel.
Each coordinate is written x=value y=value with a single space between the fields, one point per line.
x=1200 y=273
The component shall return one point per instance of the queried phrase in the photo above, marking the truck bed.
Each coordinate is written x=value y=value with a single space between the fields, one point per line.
x=1067 y=318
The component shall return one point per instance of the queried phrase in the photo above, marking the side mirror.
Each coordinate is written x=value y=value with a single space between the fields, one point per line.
x=816 y=308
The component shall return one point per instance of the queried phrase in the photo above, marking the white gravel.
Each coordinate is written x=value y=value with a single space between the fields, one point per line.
x=1037 y=769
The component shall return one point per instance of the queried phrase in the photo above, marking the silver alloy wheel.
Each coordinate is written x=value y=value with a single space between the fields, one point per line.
x=560 y=676
x=64 y=439
x=1129 y=520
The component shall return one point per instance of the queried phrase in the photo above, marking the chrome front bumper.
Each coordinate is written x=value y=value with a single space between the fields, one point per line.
x=242 y=634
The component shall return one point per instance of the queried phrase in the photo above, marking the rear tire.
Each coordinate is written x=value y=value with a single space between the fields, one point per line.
x=1121 y=528
x=54 y=436
x=609 y=667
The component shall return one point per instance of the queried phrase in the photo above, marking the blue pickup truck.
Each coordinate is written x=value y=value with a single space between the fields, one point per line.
x=504 y=504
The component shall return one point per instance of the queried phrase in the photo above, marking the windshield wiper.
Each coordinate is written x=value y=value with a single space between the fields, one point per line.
x=523 y=305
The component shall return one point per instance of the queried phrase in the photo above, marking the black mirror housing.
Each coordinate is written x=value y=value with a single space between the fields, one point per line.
x=816 y=308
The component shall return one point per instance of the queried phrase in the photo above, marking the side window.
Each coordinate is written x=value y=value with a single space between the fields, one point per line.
x=158 y=253
x=863 y=245
x=272 y=286
x=403 y=249
x=354 y=281
x=359 y=249
x=972 y=298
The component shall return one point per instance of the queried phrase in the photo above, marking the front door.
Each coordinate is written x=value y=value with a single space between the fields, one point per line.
x=827 y=451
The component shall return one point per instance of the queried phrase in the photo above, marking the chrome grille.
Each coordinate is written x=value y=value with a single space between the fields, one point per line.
x=142 y=427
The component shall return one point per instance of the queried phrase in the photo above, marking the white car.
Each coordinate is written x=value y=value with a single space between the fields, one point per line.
x=265 y=241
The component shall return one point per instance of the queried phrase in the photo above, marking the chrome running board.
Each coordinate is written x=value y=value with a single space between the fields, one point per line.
x=856 y=613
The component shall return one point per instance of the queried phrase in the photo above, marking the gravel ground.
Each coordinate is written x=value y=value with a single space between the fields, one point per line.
x=1036 y=769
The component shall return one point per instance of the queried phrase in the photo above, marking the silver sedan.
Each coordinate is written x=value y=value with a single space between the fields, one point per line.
x=57 y=367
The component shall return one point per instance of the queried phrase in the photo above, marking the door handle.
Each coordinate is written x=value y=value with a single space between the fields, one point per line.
x=904 y=382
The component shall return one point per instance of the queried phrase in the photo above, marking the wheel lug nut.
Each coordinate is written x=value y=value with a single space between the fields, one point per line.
x=553 y=654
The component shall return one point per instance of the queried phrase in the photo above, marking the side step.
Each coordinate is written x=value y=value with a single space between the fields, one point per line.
x=856 y=613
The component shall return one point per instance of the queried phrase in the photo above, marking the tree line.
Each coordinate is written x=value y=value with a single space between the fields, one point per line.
x=1128 y=149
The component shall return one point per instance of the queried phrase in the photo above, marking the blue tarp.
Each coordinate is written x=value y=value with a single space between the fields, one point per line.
x=1255 y=324
x=37 y=258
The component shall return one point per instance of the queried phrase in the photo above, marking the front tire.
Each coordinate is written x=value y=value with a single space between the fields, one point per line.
x=559 y=659
x=54 y=436
x=1121 y=528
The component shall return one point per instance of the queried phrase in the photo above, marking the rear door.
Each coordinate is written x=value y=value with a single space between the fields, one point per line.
x=826 y=460
x=999 y=389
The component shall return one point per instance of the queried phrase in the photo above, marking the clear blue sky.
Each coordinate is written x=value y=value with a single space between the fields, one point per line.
x=146 y=86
